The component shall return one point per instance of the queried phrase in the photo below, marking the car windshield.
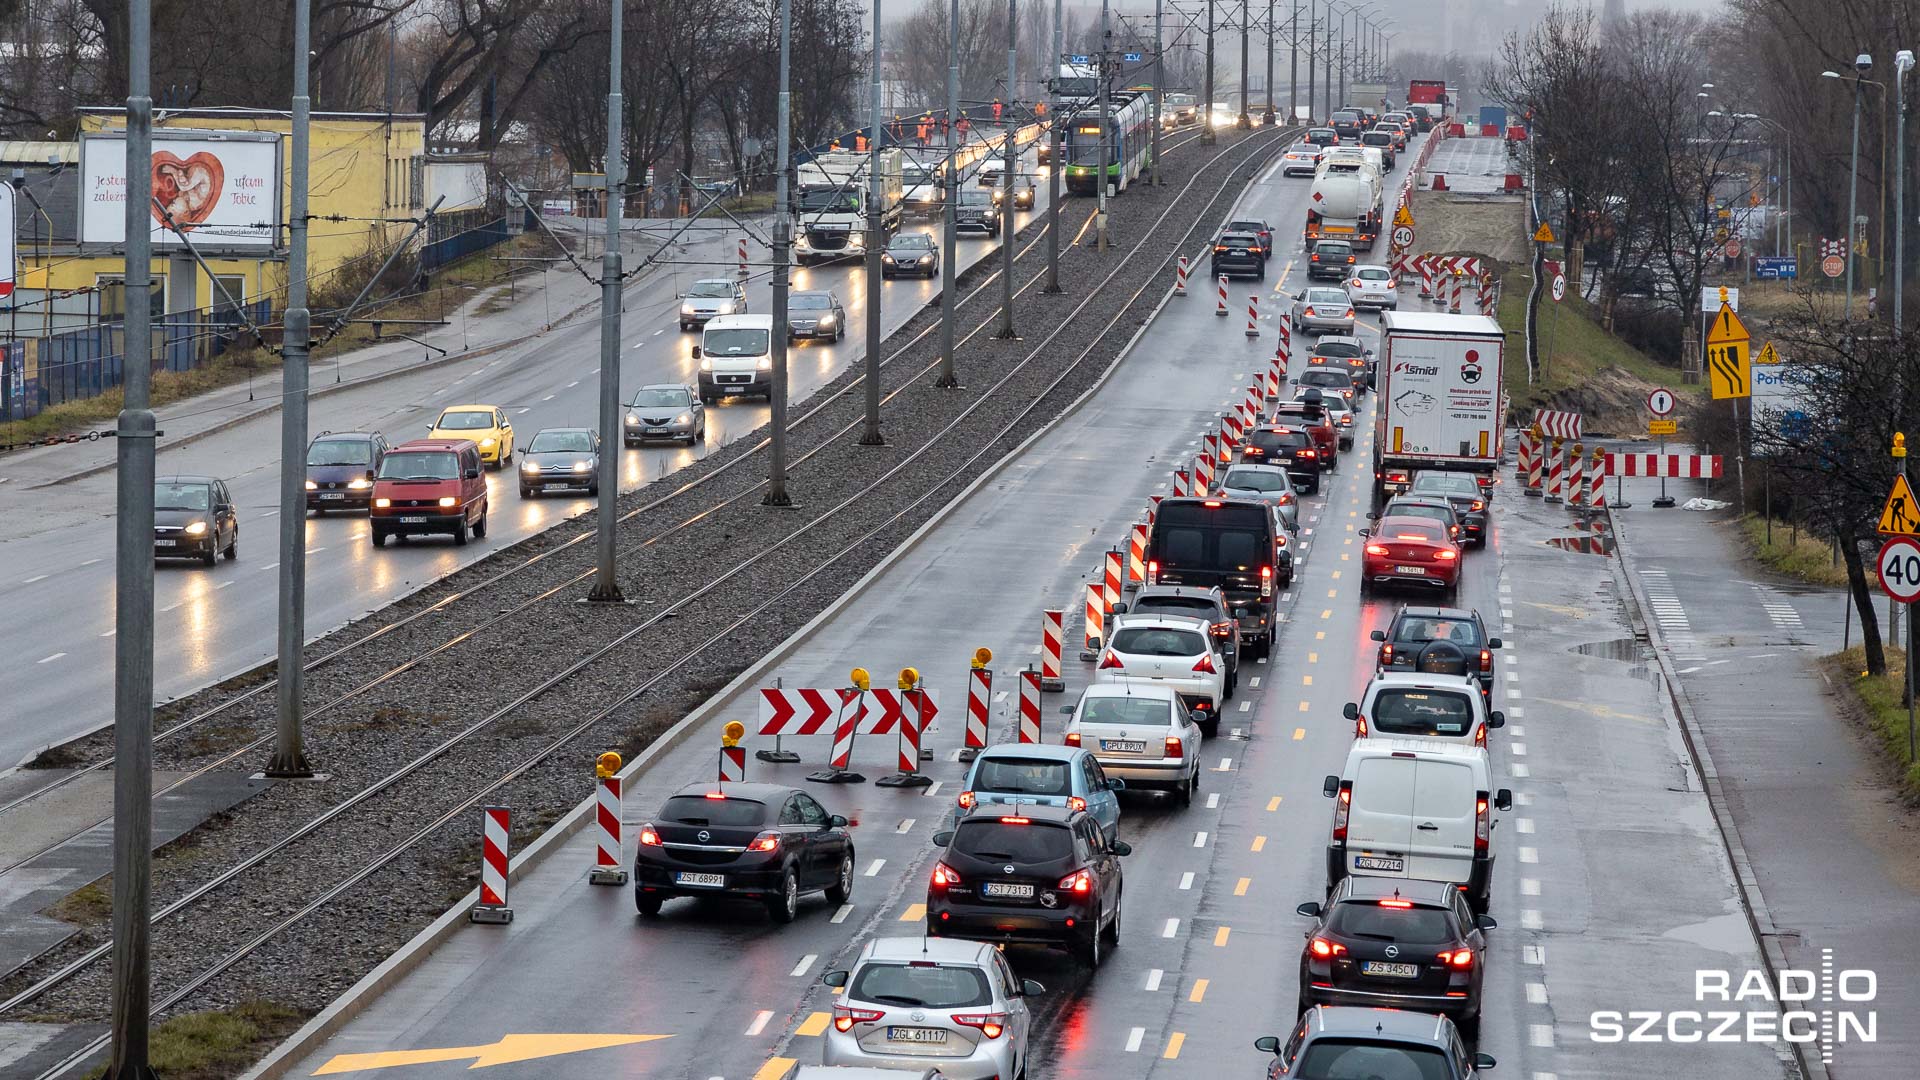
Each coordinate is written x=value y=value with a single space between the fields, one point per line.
x=661 y=399
x=1405 y=925
x=1325 y=296
x=914 y=241
x=1430 y=628
x=1271 y=439
x=1342 y=249
x=182 y=496
x=1411 y=530
x=1449 y=485
x=700 y=810
x=1441 y=514
x=1323 y=377
x=976 y=198
x=1342 y=349
x=808 y=302
x=1196 y=607
x=828 y=198
x=339 y=452
x=1256 y=480
x=1421 y=712
x=1158 y=641
x=1022 y=776
x=1238 y=240
x=465 y=420
x=551 y=441
x=741 y=341
x=1248 y=226
x=1135 y=711
x=1357 y=1059
x=1377 y=138
x=420 y=465
x=1013 y=842
x=920 y=986
x=711 y=288
x=1372 y=273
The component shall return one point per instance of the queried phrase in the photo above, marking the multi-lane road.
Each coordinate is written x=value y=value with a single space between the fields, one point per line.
x=1611 y=887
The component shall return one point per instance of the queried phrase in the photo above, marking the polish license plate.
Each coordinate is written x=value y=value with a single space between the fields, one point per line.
x=1003 y=889
x=1393 y=864
x=557 y=486
x=707 y=881
x=325 y=495
x=1416 y=571
x=413 y=519
x=166 y=543
x=1397 y=971
x=1129 y=746
x=916 y=1035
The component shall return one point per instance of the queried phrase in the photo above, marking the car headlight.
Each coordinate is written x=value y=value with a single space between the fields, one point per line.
x=765 y=364
x=706 y=363
x=382 y=503
x=486 y=442
x=359 y=485
x=800 y=243
x=887 y=258
x=686 y=309
x=826 y=322
x=311 y=486
x=530 y=467
x=925 y=260
x=448 y=500
x=197 y=528
x=632 y=419
x=582 y=466
x=683 y=418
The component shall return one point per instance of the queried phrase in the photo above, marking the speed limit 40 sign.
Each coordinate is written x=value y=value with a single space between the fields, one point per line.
x=1899 y=568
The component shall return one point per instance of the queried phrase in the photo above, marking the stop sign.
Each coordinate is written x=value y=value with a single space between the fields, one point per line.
x=1833 y=266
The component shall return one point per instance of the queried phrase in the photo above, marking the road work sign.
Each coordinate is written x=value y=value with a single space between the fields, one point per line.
x=1729 y=361
x=1901 y=516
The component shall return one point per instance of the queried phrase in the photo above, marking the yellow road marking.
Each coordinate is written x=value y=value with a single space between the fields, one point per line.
x=1332 y=593
x=1304 y=707
x=1306 y=680
x=1273 y=804
x=1240 y=888
x=775 y=1068
x=1328 y=613
x=1199 y=991
x=1280 y=285
x=814 y=1024
x=1299 y=733
x=1319 y=635
x=1353 y=513
x=1260 y=842
x=509 y=1049
x=1346 y=556
x=914 y=913
x=1220 y=937
x=1313 y=658
x=1336 y=573
x=1174 y=1042
x=1349 y=541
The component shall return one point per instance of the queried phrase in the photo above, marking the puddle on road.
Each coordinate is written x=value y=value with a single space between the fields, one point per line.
x=1590 y=538
x=1725 y=933
x=1631 y=650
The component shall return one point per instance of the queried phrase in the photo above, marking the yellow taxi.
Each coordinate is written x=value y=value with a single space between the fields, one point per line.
x=486 y=425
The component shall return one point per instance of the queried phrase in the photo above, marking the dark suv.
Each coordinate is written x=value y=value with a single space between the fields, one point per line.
x=1313 y=418
x=1239 y=254
x=1292 y=447
x=1396 y=943
x=1348 y=124
x=764 y=841
x=1258 y=228
x=1046 y=876
x=1413 y=627
x=1330 y=260
x=1202 y=603
x=1464 y=492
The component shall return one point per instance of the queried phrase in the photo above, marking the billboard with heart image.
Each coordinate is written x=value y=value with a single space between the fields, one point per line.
x=221 y=188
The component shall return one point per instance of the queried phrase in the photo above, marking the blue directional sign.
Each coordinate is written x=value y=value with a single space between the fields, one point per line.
x=1132 y=58
x=1079 y=59
x=1776 y=268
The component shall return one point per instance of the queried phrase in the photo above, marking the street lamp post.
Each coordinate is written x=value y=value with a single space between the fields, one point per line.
x=1861 y=65
x=1902 y=63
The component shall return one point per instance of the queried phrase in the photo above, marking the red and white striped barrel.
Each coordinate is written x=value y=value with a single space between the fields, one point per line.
x=607 y=866
x=1232 y=425
x=1537 y=466
x=1597 y=479
x=1523 y=456
x=1253 y=314
x=1053 y=636
x=1029 y=707
x=495 y=844
x=1180 y=278
x=733 y=764
x=1220 y=308
x=1114 y=576
x=1275 y=376
x=1180 y=482
x=979 y=693
x=1577 y=477
x=1283 y=330
x=743 y=256
x=853 y=710
x=1556 y=470
x=1091 y=631
x=1137 y=555
x=1203 y=471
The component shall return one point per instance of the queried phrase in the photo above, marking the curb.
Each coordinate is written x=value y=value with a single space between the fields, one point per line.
x=1752 y=903
x=370 y=987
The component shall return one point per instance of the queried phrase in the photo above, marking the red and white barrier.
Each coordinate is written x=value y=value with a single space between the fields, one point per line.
x=1676 y=466
x=1220 y=308
x=800 y=711
x=1577 y=477
x=1203 y=467
x=1276 y=374
x=1232 y=426
x=1556 y=424
x=1534 y=471
x=1556 y=470
x=496 y=843
x=733 y=764
x=743 y=257
x=979 y=696
x=1180 y=482
x=1597 y=477
x=1253 y=315
x=1111 y=595
x=1137 y=555
x=608 y=869
x=1180 y=278
x=1092 y=631
x=1053 y=636
x=853 y=711
x=1029 y=706
x=1284 y=331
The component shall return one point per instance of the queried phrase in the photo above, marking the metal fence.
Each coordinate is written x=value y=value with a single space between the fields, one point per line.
x=39 y=372
x=451 y=249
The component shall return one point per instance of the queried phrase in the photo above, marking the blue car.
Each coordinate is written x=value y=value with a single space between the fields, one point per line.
x=340 y=468
x=1035 y=774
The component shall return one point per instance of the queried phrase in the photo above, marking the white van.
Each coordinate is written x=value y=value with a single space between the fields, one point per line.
x=1420 y=705
x=736 y=356
x=1415 y=808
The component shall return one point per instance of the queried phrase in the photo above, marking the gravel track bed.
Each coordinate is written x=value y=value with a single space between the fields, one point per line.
x=361 y=742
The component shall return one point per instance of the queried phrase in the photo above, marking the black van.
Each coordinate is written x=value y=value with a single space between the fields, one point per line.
x=1230 y=543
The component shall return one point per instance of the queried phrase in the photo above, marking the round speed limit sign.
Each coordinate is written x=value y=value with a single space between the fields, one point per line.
x=1899 y=568
x=1403 y=236
x=1559 y=287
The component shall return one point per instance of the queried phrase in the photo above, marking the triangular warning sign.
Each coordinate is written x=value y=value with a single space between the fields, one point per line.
x=1403 y=216
x=1727 y=327
x=1900 y=517
x=1543 y=234
x=1767 y=355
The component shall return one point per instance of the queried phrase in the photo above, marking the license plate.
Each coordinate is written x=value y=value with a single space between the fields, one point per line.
x=1397 y=971
x=1417 y=571
x=413 y=519
x=332 y=495
x=708 y=881
x=555 y=486
x=1128 y=745
x=166 y=543
x=916 y=1035
x=1002 y=889
x=1389 y=863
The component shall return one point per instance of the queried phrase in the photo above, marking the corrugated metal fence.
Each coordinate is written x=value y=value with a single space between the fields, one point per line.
x=79 y=364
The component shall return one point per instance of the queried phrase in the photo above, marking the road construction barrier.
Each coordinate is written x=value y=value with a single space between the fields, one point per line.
x=1256 y=397
x=1203 y=466
x=1522 y=456
x=608 y=867
x=1439 y=182
x=1535 y=476
x=1284 y=331
x=846 y=725
x=1677 y=466
x=733 y=756
x=1558 y=424
x=1092 y=631
x=979 y=699
x=911 y=713
x=1232 y=425
x=1153 y=507
x=1053 y=636
x=1220 y=307
x=1577 y=478
x=1276 y=374
x=1137 y=555
x=1556 y=470
x=1253 y=314
x=743 y=257
x=1111 y=595
x=1180 y=482
x=1180 y=278
x=496 y=842
x=1597 y=479
x=1029 y=706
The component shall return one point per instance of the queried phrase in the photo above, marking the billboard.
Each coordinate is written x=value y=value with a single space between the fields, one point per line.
x=222 y=188
x=7 y=231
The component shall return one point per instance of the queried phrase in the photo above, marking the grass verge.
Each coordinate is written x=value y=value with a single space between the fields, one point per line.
x=209 y=1045
x=1809 y=560
x=1574 y=350
x=1882 y=709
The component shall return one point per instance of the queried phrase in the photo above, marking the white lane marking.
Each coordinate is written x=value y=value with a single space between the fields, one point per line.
x=806 y=962
x=1199 y=838
x=1213 y=801
x=1254 y=681
x=1536 y=993
x=50 y=659
x=1533 y=954
x=175 y=606
x=841 y=915
x=1529 y=855
x=873 y=868
x=573 y=384
x=1153 y=980
x=34 y=578
x=110 y=633
x=1518 y=749
x=1226 y=763
x=1001 y=696
x=1529 y=886
x=759 y=1021
x=1515 y=731
x=1517 y=712
x=1525 y=824
x=1134 y=1038
x=222 y=585
x=549 y=397
x=1523 y=798
x=1530 y=919
x=90 y=562
x=1540 y=1034
x=523 y=410
x=1246 y=706
x=1262 y=660
x=1186 y=880
x=1513 y=676
x=1172 y=928
x=905 y=824
x=1513 y=693
x=932 y=789
x=1520 y=772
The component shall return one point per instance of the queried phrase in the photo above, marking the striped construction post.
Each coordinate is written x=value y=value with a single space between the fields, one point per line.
x=1577 y=478
x=1283 y=330
x=1180 y=278
x=1180 y=482
x=1203 y=468
x=1253 y=314
x=1597 y=479
x=979 y=694
x=1556 y=468
x=1232 y=424
x=1220 y=307
x=1137 y=555
x=846 y=724
x=496 y=843
x=1523 y=454
x=1153 y=507
x=743 y=256
x=733 y=764
x=1029 y=706
x=1537 y=464
x=913 y=718
x=1275 y=373
x=1053 y=636
x=1090 y=631
x=608 y=869
x=1111 y=594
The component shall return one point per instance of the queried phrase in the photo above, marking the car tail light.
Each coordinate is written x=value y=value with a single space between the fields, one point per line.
x=1376 y=549
x=1075 y=802
x=716 y=795
x=1266 y=588
x=1482 y=826
x=992 y=1025
x=1404 y=905
x=1349 y=262
x=1309 y=312
x=1446 y=554
x=766 y=841
x=1349 y=310
x=1204 y=665
x=1219 y=247
x=965 y=800
x=1386 y=654
x=1360 y=727
x=1175 y=748
x=1322 y=949
x=1478 y=504
x=1253 y=451
x=1279 y=541
x=1486 y=660
x=1284 y=500
x=1080 y=881
x=1343 y=806
x=649 y=837
x=944 y=876
x=1316 y=258
x=845 y=1016
x=1016 y=821
x=1111 y=662
x=1308 y=454
x=1073 y=738
x=1480 y=736
x=1202 y=706
x=1222 y=629
x=1153 y=571
x=1458 y=958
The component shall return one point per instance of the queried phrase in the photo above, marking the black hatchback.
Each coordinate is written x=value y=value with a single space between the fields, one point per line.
x=1413 y=627
x=1045 y=876
x=1396 y=943
x=760 y=841
x=1239 y=254
x=1290 y=447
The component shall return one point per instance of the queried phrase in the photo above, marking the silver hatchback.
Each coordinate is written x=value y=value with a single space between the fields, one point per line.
x=948 y=1003
x=1268 y=484
x=1322 y=310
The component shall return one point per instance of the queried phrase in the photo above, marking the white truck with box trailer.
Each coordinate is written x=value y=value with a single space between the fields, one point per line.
x=1439 y=384
x=833 y=193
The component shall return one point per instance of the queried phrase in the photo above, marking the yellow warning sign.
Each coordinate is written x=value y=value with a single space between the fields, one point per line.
x=1543 y=234
x=1729 y=356
x=1663 y=427
x=1403 y=216
x=1766 y=355
x=1900 y=517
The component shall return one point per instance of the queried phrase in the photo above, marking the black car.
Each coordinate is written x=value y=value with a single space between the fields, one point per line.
x=761 y=841
x=1355 y=1042
x=1200 y=603
x=194 y=518
x=1292 y=447
x=1439 y=510
x=1396 y=943
x=1322 y=136
x=1464 y=492
x=340 y=468
x=1258 y=228
x=973 y=210
x=1045 y=876
x=1413 y=627
x=1238 y=254
x=560 y=459
x=1348 y=124
x=1330 y=260
x=817 y=314
x=911 y=253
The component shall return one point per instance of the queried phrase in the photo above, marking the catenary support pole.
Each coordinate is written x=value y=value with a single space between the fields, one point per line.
x=289 y=752
x=1009 y=124
x=876 y=243
x=782 y=268
x=1293 y=63
x=950 y=197
x=1159 y=90
x=1206 y=103
x=133 y=595
x=1268 y=115
x=1055 y=125
x=606 y=586
x=1107 y=145
x=1244 y=121
x=1313 y=71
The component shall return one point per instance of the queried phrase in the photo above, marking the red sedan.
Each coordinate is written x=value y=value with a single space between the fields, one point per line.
x=1410 y=551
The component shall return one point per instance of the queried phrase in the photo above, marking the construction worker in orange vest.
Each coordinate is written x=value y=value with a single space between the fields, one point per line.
x=859 y=144
x=921 y=133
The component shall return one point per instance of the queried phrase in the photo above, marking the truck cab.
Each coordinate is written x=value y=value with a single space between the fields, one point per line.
x=833 y=193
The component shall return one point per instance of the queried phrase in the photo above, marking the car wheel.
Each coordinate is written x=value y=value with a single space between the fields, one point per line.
x=233 y=547
x=506 y=459
x=784 y=905
x=480 y=527
x=1469 y=1027
x=379 y=538
x=460 y=533
x=1090 y=947
x=842 y=887
x=1186 y=790
x=593 y=489
x=1112 y=931
x=1210 y=727
x=646 y=903
x=209 y=557
x=526 y=493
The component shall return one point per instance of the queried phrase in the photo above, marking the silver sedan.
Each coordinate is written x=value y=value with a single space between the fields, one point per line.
x=1267 y=484
x=664 y=411
x=1323 y=310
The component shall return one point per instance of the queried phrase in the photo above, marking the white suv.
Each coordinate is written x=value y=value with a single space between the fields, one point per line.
x=1172 y=650
x=1416 y=704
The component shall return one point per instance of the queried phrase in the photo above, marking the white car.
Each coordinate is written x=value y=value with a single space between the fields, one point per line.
x=1141 y=734
x=1301 y=159
x=992 y=169
x=1170 y=650
x=1417 y=704
x=943 y=1002
x=1373 y=287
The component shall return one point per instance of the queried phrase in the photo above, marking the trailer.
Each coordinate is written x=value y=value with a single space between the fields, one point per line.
x=1440 y=379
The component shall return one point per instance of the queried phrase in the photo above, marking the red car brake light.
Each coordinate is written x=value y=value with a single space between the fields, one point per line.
x=1459 y=958
x=1376 y=549
x=844 y=1017
x=1111 y=662
x=1073 y=738
x=1204 y=665
x=1175 y=748
x=1322 y=949
x=992 y=1025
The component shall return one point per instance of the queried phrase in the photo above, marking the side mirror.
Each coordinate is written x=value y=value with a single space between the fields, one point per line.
x=1485 y=922
x=836 y=822
x=473 y=474
x=1494 y=643
x=696 y=352
x=1378 y=635
x=1030 y=988
x=1330 y=786
x=1351 y=710
x=1121 y=847
x=1503 y=799
x=1484 y=1061
x=943 y=838
x=834 y=978
x=1120 y=608
x=1270 y=1044
x=1114 y=783
x=1366 y=533
x=1066 y=710
x=1310 y=909
x=1496 y=719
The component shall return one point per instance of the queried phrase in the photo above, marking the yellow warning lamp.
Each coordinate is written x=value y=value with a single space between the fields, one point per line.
x=1899 y=445
x=732 y=733
x=861 y=680
x=1723 y=294
x=982 y=657
x=909 y=678
x=606 y=766
x=1535 y=431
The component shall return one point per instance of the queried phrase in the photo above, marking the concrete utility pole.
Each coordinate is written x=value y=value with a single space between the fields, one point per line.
x=950 y=243
x=1007 y=128
x=1327 y=54
x=1106 y=132
x=1244 y=121
x=1270 y=26
x=876 y=242
x=1159 y=92
x=1902 y=63
x=782 y=268
x=1313 y=71
x=133 y=591
x=1293 y=63
x=1206 y=105
x=289 y=753
x=1055 y=152
x=606 y=587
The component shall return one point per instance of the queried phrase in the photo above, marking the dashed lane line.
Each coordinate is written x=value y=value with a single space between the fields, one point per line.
x=1273 y=804
x=1200 y=839
x=1172 y=928
x=806 y=962
x=1299 y=733
x=1221 y=935
x=1260 y=842
x=873 y=868
x=814 y=1025
x=759 y=1022
x=1153 y=980
x=775 y=1068
x=1536 y=993
x=1174 y=1043
x=1186 y=882
x=1240 y=887
x=914 y=913
x=1134 y=1038
x=1199 y=991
